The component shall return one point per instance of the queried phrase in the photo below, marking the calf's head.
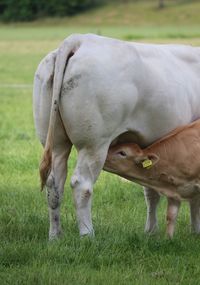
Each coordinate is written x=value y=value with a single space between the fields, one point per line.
x=124 y=159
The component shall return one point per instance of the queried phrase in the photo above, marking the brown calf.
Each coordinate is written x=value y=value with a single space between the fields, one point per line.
x=171 y=166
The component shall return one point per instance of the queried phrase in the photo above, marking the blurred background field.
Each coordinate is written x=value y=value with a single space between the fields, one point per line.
x=120 y=252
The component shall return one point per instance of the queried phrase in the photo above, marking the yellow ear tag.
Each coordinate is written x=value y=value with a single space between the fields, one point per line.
x=147 y=163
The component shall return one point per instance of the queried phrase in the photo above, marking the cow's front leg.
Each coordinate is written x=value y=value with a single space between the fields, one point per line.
x=172 y=212
x=89 y=164
x=152 y=199
x=195 y=214
x=55 y=186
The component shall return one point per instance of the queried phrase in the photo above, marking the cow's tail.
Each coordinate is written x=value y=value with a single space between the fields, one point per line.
x=65 y=51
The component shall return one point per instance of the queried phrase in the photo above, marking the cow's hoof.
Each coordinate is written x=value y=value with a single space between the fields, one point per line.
x=89 y=234
x=55 y=235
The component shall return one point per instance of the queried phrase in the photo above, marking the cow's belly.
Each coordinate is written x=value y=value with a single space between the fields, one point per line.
x=156 y=123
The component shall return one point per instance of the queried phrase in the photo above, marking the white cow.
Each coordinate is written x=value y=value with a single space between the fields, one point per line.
x=92 y=90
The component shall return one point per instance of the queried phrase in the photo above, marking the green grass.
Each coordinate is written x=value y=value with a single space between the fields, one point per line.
x=120 y=253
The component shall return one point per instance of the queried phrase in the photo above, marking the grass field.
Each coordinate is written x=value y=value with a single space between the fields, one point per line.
x=120 y=253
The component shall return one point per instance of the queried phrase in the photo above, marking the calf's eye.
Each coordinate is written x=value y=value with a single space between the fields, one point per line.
x=122 y=153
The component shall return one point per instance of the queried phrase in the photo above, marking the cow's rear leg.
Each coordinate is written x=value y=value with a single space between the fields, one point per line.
x=195 y=214
x=55 y=187
x=56 y=180
x=172 y=212
x=90 y=163
x=152 y=199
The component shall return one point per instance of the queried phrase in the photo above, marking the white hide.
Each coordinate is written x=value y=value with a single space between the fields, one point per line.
x=109 y=87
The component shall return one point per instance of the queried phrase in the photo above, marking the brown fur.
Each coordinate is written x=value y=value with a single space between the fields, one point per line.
x=46 y=161
x=45 y=166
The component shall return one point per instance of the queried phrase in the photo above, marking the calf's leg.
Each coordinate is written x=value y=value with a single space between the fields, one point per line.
x=172 y=212
x=89 y=164
x=152 y=199
x=195 y=214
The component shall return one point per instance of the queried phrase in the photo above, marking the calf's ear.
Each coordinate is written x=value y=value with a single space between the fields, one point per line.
x=154 y=158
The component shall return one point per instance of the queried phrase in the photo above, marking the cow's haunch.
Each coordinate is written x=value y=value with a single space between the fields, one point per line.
x=103 y=88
